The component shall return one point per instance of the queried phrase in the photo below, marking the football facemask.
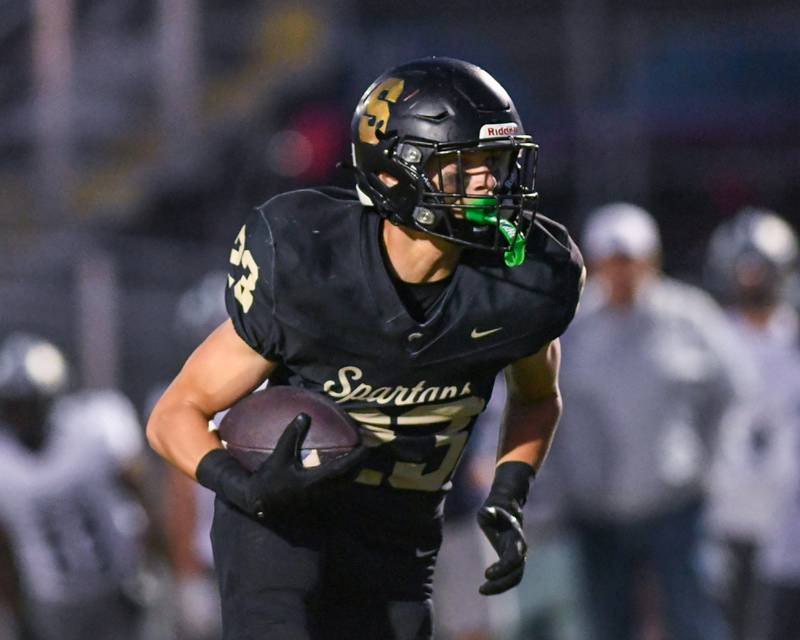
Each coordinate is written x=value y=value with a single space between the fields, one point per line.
x=472 y=196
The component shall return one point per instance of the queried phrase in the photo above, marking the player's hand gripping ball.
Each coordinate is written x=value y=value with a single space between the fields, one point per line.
x=294 y=442
x=252 y=428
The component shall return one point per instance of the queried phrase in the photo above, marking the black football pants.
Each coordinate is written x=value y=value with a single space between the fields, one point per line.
x=329 y=577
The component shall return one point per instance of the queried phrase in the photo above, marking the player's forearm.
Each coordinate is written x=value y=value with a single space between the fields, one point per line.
x=528 y=429
x=181 y=510
x=178 y=432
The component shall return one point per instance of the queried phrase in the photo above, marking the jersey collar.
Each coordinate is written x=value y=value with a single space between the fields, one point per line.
x=390 y=308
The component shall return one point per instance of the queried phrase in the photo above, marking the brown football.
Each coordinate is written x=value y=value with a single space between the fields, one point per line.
x=252 y=427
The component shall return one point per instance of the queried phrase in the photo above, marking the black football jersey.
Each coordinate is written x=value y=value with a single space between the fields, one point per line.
x=308 y=287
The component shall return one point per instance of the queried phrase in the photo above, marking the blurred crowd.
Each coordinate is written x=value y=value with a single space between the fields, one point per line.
x=669 y=507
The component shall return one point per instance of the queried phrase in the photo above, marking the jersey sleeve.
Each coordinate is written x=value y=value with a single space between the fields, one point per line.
x=574 y=281
x=250 y=293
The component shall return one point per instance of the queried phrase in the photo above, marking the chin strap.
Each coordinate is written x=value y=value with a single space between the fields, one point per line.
x=483 y=211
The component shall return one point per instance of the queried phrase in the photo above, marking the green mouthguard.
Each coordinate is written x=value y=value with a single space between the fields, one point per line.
x=483 y=211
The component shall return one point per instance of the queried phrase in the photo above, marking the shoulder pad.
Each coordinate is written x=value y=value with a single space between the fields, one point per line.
x=304 y=206
x=309 y=224
x=291 y=237
x=338 y=193
x=552 y=240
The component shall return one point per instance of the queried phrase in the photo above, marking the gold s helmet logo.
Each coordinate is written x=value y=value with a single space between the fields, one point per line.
x=376 y=112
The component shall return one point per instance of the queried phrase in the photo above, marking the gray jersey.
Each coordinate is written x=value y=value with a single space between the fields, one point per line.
x=73 y=533
x=778 y=352
x=756 y=456
x=779 y=556
x=644 y=392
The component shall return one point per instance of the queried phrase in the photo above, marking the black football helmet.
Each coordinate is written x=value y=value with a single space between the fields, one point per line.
x=33 y=372
x=751 y=258
x=421 y=116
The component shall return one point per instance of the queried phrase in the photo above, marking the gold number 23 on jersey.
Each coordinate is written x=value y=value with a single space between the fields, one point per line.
x=454 y=417
x=244 y=287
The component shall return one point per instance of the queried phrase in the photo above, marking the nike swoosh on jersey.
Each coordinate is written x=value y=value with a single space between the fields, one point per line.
x=481 y=334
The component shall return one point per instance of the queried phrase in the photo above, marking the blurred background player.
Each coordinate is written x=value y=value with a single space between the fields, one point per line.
x=650 y=373
x=751 y=267
x=72 y=528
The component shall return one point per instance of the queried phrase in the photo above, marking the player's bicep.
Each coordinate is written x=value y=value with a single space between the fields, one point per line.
x=535 y=377
x=220 y=371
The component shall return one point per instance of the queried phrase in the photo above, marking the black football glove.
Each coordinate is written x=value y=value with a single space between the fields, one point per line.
x=281 y=482
x=500 y=519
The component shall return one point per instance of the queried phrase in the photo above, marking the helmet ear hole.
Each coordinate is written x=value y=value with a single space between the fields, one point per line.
x=388 y=179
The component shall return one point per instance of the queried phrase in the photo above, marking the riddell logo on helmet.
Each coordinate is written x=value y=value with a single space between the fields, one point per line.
x=499 y=130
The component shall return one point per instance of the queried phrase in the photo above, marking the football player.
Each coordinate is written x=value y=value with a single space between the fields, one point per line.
x=401 y=305
x=751 y=265
x=70 y=530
